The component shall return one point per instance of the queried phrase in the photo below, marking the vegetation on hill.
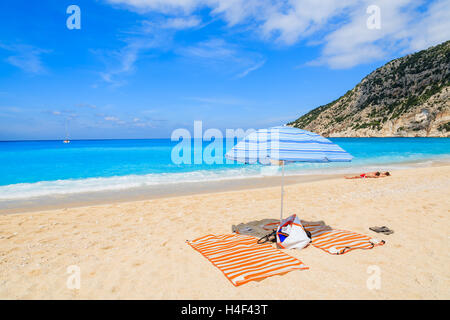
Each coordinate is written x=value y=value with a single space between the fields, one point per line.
x=409 y=96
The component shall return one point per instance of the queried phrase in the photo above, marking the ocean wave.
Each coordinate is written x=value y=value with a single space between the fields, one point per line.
x=69 y=186
x=73 y=186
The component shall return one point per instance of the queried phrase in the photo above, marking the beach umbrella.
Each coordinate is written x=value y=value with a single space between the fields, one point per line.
x=282 y=145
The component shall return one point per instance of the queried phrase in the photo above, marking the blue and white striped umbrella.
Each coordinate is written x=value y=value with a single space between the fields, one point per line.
x=286 y=144
x=280 y=145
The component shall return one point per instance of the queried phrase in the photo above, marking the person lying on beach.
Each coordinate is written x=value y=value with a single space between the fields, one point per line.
x=376 y=174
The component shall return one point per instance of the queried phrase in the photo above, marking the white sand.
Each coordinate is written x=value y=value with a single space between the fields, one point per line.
x=137 y=249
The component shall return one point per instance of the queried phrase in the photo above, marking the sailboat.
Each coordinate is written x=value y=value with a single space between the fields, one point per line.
x=67 y=135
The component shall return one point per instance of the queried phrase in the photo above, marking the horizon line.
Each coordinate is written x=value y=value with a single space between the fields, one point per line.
x=103 y=139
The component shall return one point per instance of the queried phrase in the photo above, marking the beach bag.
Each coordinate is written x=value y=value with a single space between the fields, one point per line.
x=291 y=234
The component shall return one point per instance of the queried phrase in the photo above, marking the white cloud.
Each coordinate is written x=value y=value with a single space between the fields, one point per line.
x=353 y=43
x=114 y=119
x=131 y=122
x=403 y=30
x=286 y=20
x=122 y=61
x=339 y=26
x=210 y=49
x=156 y=34
x=67 y=114
x=433 y=28
x=301 y=18
x=26 y=57
x=228 y=57
x=165 y=6
x=251 y=69
x=239 y=11
x=181 y=23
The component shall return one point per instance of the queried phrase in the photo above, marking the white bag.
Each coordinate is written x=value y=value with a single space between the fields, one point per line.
x=291 y=234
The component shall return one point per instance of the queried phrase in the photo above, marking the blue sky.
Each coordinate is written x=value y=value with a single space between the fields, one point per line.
x=142 y=68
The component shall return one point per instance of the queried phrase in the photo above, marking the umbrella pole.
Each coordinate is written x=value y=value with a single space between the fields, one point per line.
x=282 y=190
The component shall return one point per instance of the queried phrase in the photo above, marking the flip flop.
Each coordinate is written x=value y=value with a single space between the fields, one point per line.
x=385 y=230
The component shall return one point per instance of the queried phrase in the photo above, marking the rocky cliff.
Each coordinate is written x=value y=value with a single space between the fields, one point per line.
x=407 y=97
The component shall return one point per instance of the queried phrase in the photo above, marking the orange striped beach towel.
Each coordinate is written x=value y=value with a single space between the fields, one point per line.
x=241 y=259
x=338 y=241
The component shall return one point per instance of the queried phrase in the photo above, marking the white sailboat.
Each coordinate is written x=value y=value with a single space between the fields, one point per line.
x=67 y=134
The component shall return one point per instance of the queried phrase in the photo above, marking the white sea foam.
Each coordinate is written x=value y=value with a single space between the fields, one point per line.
x=64 y=187
x=88 y=185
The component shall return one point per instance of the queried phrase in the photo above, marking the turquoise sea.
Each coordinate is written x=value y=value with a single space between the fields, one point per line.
x=40 y=168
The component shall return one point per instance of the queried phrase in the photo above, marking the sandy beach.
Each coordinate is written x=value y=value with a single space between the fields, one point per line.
x=137 y=250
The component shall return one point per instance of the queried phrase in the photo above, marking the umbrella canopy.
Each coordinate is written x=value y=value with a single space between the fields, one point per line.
x=280 y=145
x=286 y=144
